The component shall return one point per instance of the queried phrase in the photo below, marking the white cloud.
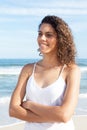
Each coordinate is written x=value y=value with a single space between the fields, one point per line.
x=70 y=4
x=42 y=11
x=53 y=3
x=39 y=8
x=7 y=19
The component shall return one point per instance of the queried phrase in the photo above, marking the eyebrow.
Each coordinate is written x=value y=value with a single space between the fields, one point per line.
x=47 y=32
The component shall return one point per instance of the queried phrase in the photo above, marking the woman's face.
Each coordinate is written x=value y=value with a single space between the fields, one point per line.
x=47 y=39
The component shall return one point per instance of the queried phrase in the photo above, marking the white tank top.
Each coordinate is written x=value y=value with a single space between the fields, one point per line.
x=51 y=95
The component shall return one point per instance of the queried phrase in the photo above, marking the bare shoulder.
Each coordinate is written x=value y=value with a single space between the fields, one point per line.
x=27 y=69
x=73 y=69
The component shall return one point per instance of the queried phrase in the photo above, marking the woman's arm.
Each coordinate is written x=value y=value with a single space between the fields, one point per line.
x=15 y=108
x=64 y=112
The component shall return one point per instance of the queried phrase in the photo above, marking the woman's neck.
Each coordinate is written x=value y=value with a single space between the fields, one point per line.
x=50 y=61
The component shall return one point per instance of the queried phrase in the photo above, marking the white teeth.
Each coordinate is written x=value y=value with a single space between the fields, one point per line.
x=45 y=44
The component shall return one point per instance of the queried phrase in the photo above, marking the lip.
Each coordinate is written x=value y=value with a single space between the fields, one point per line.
x=44 y=44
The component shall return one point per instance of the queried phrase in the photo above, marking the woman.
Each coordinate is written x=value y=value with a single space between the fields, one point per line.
x=52 y=84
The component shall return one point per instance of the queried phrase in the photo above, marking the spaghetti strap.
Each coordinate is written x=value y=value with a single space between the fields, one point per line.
x=34 y=68
x=62 y=70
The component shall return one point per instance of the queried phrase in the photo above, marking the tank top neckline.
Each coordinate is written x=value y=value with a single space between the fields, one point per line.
x=50 y=85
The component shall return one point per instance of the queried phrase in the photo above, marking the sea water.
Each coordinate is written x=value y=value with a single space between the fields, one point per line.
x=9 y=73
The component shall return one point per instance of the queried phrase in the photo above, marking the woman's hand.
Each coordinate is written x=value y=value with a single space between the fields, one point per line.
x=25 y=104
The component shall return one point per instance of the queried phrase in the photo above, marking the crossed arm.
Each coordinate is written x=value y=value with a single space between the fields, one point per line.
x=34 y=112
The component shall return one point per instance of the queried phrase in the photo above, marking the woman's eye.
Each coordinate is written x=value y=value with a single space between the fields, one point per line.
x=49 y=35
x=39 y=34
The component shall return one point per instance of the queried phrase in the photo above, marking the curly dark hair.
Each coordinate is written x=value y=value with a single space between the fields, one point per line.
x=66 y=47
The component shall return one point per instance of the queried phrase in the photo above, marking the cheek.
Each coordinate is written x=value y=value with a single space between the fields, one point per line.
x=54 y=43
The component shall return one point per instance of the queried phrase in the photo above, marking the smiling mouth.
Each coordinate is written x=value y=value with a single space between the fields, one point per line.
x=44 y=44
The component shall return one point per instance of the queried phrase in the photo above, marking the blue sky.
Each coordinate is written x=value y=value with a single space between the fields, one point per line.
x=19 y=20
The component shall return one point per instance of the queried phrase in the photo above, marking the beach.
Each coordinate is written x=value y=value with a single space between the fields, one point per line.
x=80 y=123
x=9 y=72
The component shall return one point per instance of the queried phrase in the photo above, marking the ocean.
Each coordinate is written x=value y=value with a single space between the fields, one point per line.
x=9 y=72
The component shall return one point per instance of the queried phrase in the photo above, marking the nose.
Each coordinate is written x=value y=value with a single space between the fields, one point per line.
x=43 y=37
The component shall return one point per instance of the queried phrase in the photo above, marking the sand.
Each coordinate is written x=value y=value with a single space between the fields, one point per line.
x=80 y=122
